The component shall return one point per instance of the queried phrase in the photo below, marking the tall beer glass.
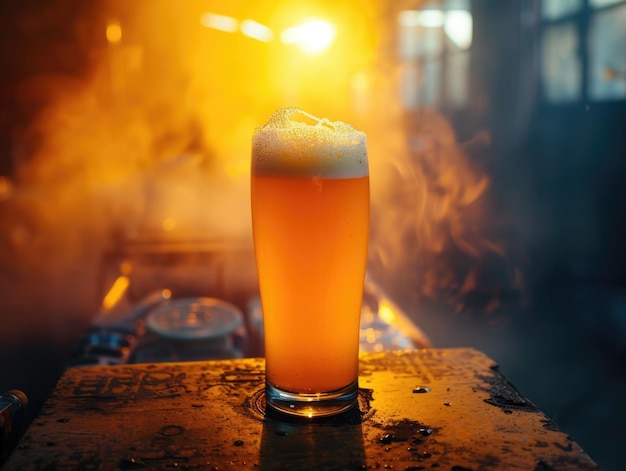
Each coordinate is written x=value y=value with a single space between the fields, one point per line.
x=310 y=215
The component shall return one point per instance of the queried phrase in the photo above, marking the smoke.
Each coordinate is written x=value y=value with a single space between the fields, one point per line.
x=152 y=135
x=113 y=149
x=435 y=234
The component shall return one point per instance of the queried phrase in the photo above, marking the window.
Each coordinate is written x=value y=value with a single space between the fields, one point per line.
x=583 y=50
x=433 y=45
x=607 y=53
x=554 y=9
x=560 y=64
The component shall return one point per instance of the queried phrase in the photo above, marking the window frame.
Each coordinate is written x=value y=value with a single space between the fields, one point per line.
x=443 y=99
x=582 y=19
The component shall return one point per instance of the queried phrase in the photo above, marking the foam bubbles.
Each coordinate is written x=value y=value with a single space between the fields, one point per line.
x=296 y=143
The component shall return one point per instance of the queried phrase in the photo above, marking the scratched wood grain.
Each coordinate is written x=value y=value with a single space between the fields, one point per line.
x=444 y=409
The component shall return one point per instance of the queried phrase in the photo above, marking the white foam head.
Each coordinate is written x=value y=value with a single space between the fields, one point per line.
x=286 y=146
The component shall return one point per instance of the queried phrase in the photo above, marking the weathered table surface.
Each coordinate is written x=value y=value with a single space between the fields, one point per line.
x=445 y=409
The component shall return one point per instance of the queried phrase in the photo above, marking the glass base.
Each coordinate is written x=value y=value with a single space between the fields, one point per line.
x=311 y=405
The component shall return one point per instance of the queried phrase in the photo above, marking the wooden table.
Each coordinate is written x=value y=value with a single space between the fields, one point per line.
x=440 y=409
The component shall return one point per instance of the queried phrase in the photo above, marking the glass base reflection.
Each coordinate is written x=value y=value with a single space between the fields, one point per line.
x=311 y=406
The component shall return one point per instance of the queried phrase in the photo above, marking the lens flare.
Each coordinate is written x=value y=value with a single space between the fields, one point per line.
x=223 y=23
x=116 y=292
x=114 y=32
x=313 y=37
x=255 y=30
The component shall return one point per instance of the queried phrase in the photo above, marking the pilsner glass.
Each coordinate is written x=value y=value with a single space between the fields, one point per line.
x=310 y=218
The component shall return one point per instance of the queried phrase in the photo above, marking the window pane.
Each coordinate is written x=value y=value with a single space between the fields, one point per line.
x=607 y=54
x=457 y=5
x=432 y=83
x=458 y=28
x=409 y=42
x=603 y=3
x=457 y=81
x=560 y=65
x=410 y=84
x=554 y=9
x=419 y=41
x=420 y=85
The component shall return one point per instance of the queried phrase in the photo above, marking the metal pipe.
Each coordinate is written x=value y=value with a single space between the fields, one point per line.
x=12 y=405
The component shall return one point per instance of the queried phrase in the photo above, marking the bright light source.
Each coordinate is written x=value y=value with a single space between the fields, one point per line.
x=169 y=224
x=425 y=18
x=458 y=27
x=314 y=36
x=386 y=312
x=116 y=292
x=431 y=18
x=219 y=22
x=114 y=32
x=257 y=31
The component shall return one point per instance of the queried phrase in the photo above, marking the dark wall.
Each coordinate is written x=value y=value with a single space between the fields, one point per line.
x=557 y=173
x=43 y=44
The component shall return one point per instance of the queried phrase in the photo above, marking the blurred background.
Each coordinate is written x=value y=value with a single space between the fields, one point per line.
x=497 y=154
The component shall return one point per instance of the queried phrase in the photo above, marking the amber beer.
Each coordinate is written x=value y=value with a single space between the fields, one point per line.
x=310 y=214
